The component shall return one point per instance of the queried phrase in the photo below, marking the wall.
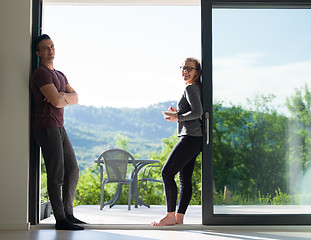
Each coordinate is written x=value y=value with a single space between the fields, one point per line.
x=15 y=60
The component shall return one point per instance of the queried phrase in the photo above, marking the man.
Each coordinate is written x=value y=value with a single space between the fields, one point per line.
x=52 y=93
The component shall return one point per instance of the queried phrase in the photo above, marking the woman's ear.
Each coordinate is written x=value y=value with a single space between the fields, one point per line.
x=196 y=76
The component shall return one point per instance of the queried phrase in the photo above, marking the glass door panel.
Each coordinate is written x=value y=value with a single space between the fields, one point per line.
x=261 y=111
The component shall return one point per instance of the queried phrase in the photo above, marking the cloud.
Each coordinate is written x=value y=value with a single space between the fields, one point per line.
x=241 y=77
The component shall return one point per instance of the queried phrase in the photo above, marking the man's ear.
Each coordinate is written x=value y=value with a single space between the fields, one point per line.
x=38 y=53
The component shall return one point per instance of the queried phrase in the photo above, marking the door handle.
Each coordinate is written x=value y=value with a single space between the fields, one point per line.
x=207 y=127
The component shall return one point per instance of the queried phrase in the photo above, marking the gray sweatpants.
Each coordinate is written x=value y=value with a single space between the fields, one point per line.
x=62 y=169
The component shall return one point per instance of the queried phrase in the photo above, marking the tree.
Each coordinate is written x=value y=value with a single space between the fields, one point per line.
x=299 y=106
x=267 y=135
x=249 y=148
x=122 y=142
x=88 y=188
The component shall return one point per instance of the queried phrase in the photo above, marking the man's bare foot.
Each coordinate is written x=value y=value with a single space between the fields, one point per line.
x=168 y=220
x=180 y=218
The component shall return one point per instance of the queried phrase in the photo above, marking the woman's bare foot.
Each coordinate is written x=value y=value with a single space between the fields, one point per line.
x=168 y=220
x=180 y=218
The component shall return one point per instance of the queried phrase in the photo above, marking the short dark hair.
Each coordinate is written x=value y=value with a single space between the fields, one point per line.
x=39 y=39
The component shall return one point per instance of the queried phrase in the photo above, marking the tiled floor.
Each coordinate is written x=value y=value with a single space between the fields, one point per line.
x=220 y=233
x=118 y=223
x=143 y=215
x=119 y=215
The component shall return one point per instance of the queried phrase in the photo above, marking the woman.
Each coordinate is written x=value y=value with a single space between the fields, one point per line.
x=183 y=156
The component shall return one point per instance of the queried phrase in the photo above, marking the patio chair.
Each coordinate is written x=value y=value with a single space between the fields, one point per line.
x=116 y=164
x=147 y=177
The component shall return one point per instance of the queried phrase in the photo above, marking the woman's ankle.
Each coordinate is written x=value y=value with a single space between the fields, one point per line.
x=170 y=214
x=179 y=218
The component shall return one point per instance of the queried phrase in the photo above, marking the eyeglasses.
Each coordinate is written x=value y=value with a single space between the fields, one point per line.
x=189 y=69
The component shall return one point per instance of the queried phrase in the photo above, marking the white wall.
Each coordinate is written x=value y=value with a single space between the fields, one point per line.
x=15 y=62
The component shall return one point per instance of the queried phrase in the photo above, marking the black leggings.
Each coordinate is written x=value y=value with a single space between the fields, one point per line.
x=181 y=159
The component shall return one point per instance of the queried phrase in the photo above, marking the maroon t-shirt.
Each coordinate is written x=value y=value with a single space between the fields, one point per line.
x=46 y=115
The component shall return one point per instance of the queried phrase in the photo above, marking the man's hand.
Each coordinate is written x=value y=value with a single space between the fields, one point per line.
x=52 y=96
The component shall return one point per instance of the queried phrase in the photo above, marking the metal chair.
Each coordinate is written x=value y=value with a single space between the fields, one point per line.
x=116 y=164
x=147 y=176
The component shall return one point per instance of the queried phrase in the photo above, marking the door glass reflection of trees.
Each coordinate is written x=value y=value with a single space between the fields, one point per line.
x=260 y=156
x=262 y=110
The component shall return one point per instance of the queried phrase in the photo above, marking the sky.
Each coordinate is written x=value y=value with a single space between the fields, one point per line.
x=261 y=52
x=130 y=56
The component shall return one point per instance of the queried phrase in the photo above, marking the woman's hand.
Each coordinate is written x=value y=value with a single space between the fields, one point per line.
x=171 y=117
x=172 y=109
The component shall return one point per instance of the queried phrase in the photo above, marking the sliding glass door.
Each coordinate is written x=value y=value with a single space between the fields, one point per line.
x=259 y=143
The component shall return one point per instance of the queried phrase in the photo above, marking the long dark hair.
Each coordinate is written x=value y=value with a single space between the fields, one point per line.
x=196 y=80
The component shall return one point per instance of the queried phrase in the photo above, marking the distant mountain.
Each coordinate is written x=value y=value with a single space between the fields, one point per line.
x=93 y=130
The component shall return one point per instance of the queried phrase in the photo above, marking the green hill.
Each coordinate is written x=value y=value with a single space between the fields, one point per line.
x=93 y=130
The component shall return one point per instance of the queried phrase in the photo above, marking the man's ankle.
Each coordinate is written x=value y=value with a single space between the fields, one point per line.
x=73 y=219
